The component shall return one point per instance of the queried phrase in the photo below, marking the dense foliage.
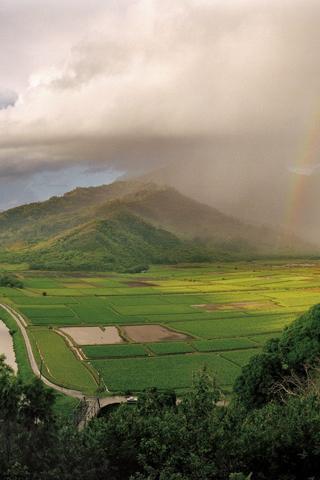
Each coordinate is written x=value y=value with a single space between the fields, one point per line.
x=284 y=360
x=158 y=439
x=123 y=243
x=10 y=281
x=127 y=224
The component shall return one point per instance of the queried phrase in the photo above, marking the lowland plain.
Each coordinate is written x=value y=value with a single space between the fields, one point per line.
x=224 y=311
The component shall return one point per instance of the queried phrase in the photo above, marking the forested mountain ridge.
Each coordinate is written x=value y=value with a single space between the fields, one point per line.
x=129 y=223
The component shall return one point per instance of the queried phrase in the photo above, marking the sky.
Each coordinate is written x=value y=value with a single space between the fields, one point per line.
x=92 y=90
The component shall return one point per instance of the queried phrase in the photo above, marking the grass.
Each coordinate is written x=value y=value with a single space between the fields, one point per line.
x=137 y=300
x=187 y=299
x=12 y=292
x=224 y=338
x=114 y=351
x=53 y=311
x=262 y=339
x=241 y=357
x=221 y=344
x=42 y=282
x=165 y=348
x=154 y=309
x=44 y=301
x=63 y=406
x=60 y=363
x=234 y=326
x=174 y=371
x=170 y=317
x=88 y=314
x=24 y=368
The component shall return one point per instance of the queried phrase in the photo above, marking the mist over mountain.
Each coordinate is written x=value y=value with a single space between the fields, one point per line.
x=130 y=223
x=254 y=192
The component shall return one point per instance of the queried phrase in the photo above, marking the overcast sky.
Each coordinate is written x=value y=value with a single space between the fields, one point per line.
x=89 y=90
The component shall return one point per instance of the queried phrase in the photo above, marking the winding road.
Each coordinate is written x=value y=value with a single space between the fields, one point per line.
x=94 y=405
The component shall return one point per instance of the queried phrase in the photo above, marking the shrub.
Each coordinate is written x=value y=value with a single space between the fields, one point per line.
x=297 y=348
x=10 y=281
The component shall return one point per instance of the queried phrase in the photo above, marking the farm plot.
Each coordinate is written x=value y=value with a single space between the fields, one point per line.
x=173 y=320
x=49 y=315
x=42 y=283
x=114 y=351
x=44 y=301
x=221 y=344
x=232 y=327
x=288 y=299
x=185 y=299
x=240 y=357
x=262 y=339
x=61 y=292
x=166 y=348
x=174 y=371
x=154 y=309
x=12 y=292
x=93 y=335
x=60 y=363
x=137 y=300
x=151 y=333
x=88 y=314
x=244 y=305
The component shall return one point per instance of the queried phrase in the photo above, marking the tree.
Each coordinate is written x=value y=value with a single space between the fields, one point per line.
x=296 y=349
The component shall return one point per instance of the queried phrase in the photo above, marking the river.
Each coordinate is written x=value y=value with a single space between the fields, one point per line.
x=6 y=347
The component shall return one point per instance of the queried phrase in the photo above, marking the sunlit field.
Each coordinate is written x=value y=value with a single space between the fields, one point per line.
x=217 y=315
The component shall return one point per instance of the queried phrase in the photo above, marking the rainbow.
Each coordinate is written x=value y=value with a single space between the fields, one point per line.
x=307 y=161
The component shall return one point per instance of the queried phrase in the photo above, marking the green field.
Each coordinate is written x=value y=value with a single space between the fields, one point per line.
x=165 y=348
x=60 y=363
x=240 y=357
x=221 y=344
x=174 y=371
x=114 y=351
x=227 y=311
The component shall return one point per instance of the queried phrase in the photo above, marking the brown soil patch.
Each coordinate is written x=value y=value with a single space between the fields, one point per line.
x=77 y=285
x=210 y=307
x=253 y=304
x=93 y=335
x=234 y=305
x=152 y=333
x=140 y=284
x=146 y=279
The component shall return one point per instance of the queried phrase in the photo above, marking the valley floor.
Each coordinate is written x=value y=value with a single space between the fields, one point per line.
x=104 y=334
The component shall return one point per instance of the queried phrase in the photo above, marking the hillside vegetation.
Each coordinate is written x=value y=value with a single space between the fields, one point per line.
x=198 y=439
x=126 y=224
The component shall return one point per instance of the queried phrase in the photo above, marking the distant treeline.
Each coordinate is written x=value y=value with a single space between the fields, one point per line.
x=10 y=281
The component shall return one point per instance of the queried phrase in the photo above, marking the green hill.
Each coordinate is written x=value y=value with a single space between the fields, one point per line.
x=127 y=224
x=121 y=242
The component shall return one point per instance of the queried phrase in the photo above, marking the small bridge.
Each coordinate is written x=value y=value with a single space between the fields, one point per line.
x=90 y=407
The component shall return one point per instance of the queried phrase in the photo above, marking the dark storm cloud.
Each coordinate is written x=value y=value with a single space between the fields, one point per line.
x=137 y=84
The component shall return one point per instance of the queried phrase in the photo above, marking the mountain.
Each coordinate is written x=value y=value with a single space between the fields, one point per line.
x=263 y=189
x=127 y=225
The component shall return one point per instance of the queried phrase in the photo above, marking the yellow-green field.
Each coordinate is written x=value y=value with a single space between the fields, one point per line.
x=226 y=312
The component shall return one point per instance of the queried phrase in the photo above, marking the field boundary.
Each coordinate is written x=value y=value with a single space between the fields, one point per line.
x=34 y=366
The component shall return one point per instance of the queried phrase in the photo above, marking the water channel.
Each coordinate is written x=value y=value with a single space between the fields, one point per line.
x=6 y=347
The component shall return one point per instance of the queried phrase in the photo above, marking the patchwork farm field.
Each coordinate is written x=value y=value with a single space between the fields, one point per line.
x=159 y=327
